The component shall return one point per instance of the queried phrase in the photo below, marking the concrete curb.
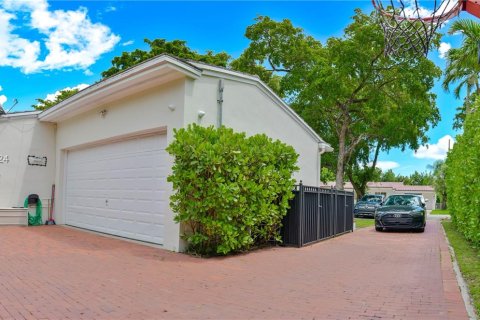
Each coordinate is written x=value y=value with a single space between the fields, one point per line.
x=461 y=281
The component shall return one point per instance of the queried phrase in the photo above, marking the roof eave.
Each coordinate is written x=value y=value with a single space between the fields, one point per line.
x=136 y=74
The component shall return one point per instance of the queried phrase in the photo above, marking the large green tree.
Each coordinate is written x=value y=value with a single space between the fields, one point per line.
x=463 y=70
x=419 y=179
x=279 y=53
x=44 y=104
x=359 y=100
x=439 y=169
x=176 y=48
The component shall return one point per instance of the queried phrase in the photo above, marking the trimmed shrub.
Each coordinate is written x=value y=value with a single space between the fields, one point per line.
x=230 y=192
x=463 y=179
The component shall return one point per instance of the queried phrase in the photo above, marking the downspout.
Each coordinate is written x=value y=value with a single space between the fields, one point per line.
x=321 y=150
x=220 y=103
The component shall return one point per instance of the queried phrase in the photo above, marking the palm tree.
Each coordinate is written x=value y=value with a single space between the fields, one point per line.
x=439 y=169
x=463 y=68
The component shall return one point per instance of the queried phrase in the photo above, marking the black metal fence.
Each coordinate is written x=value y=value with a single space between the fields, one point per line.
x=316 y=214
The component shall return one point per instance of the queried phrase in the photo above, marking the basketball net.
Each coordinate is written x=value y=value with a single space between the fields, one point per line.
x=410 y=28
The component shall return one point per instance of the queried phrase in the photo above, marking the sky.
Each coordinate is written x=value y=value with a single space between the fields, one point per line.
x=47 y=46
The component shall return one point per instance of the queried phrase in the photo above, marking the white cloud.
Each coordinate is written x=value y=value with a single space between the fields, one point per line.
x=88 y=72
x=386 y=165
x=53 y=96
x=70 y=38
x=413 y=10
x=110 y=9
x=3 y=98
x=435 y=151
x=127 y=43
x=443 y=49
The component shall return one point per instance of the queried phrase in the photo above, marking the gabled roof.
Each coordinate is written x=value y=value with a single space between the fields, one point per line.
x=142 y=76
x=163 y=68
x=21 y=114
x=415 y=188
x=384 y=184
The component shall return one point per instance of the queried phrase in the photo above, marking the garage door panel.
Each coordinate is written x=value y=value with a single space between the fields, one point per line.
x=119 y=188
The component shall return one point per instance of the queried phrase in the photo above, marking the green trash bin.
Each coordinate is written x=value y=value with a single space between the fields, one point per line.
x=34 y=219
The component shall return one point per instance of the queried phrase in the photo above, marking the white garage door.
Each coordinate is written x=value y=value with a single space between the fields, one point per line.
x=119 y=188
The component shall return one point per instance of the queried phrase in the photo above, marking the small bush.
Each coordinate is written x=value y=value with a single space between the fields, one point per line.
x=230 y=191
x=463 y=179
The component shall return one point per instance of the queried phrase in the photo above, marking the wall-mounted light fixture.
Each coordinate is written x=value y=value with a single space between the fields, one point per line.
x=201 y=114
x=103 y=113
x=171 y=107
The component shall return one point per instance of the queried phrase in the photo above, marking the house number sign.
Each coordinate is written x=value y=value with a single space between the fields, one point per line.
x=4 y=158
x=37 y=161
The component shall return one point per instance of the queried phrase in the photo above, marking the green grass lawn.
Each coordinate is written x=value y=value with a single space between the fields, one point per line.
x=362 y=223
x=439 y=212
x=468 y=259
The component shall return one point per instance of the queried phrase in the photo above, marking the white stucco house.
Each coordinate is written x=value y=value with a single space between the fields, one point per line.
x=388 y=188
x=104 y=148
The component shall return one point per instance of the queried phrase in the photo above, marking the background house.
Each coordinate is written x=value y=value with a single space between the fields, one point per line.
x=389 y=188
x=107 y=143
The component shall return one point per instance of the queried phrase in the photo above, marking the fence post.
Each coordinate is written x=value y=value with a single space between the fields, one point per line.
x=301 y=213
x=351 y=210
x=345 y=212
x=335 y=210
x=319 y=213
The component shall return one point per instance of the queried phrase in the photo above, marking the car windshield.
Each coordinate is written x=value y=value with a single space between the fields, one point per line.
x=402 y=201
x=371 y=198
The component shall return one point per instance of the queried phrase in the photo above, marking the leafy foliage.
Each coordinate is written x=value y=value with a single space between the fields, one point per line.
x=439 y=171
x=176 y=48
x=355 y=97
x=231 y=192
x=326 y=175
x=278 y=53
x=47 y=104
x=463 y=179
x=463 y=70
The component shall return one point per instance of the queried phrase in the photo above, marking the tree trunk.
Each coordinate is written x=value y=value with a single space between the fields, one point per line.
x=356 y=188
x=339 y=182
x=361 y=188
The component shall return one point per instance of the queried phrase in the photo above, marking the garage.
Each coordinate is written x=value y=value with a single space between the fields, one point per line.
x=119 y=188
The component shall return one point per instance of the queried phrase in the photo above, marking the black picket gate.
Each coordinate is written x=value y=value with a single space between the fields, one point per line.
x=316 y=214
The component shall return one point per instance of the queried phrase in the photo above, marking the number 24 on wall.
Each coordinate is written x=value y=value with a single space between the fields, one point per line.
x=4 y=159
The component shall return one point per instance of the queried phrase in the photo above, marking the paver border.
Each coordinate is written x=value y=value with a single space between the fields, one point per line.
x=462 y=284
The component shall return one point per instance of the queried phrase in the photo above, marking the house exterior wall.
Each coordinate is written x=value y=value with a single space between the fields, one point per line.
x=23 y=136
x=385 y=191
x=248 y=108
x=145 y=111
x=430 y=197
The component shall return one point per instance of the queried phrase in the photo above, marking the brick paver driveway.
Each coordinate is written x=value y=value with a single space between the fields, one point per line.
x=59 y=273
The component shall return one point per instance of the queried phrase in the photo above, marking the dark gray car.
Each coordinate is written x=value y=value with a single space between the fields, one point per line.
x=401 y=211
x=366 y=206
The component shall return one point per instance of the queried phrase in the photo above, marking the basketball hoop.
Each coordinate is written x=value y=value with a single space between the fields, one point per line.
x=409 y=27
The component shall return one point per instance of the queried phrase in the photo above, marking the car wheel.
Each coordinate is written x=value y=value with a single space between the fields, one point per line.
x=379 y=229
x=421 y=229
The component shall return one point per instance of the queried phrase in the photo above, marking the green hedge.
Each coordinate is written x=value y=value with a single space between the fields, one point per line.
x=463 y=179
x=230 y=192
